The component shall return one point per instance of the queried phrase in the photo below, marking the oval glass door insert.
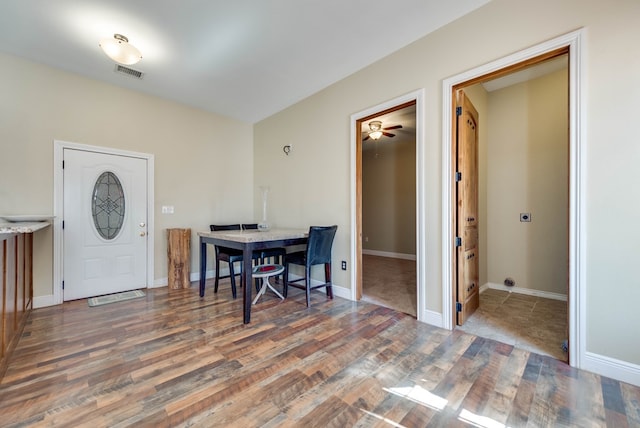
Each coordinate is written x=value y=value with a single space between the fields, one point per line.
x=108 y=205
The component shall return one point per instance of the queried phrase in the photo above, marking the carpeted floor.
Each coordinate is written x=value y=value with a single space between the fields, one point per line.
x=527 y=322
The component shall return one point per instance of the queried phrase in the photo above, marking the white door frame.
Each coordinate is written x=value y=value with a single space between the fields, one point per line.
x=418 y=96
x=58 y=211
x=577 y=168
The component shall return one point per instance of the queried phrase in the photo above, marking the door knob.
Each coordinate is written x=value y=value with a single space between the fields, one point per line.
x=142 y=233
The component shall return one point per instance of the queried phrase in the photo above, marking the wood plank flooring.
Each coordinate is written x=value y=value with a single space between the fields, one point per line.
x=173 y=359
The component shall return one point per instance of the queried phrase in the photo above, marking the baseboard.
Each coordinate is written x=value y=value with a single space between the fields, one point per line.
x=193 y=277
x=527 y=291
x=433 y=318
x=611 y=367
x=338 y=290
x=389 y=254
x=43 y=301
x=159 y=282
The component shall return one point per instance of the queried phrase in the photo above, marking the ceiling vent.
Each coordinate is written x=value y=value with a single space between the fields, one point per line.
x=129 y=72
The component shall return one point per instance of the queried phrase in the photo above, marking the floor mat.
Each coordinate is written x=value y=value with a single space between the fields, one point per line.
x=113 y=298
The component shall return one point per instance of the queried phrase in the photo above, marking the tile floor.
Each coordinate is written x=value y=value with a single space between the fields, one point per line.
x=390 y=283
x=528 y=322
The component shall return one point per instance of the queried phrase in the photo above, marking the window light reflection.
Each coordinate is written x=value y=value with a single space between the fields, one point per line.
x=419 y=395
x=479 y=421
x=383 y=419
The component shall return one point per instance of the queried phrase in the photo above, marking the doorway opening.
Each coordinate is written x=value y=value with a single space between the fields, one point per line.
x=568 y=45
x=388 y=178
x=519 y=207
x=398 y=242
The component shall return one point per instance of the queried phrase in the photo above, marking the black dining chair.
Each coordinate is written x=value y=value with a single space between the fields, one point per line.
x=229 y=255
x=318 y=252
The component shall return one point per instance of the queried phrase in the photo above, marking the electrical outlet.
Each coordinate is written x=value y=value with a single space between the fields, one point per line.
x=344 y=265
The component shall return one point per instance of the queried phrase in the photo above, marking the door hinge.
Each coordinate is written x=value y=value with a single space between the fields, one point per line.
x=63 y=285
x=458 y=241
x=458 y=176
x=458 y=111
x=63 y=224
x=458 y=307
x=62 y=164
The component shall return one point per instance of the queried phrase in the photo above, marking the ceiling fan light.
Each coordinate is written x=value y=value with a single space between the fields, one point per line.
x=375 y=125
x=375 y=135
x=120 y=50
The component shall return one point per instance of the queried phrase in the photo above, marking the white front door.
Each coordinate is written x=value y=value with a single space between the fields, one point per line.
x=105 y=223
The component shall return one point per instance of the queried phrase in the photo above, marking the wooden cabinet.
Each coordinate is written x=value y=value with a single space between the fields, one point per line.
x=16 y=297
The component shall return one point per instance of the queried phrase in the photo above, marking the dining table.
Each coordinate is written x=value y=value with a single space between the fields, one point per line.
x=247 y=241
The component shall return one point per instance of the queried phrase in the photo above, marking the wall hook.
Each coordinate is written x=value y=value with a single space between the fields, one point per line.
x=287 y=149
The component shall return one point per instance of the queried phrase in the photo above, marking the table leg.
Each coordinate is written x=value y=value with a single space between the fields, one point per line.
x=247 y=253
x=203 y=265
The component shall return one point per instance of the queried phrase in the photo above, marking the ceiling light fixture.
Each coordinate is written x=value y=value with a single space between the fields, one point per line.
x=376 y=129
x=119 y=50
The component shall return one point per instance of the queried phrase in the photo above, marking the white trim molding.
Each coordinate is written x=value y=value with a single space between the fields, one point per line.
x=419 y=97
x=389 y=254
x=577 y=137
x=527 y=291
x=58 y=208
x=611 y=367
x=43 y=301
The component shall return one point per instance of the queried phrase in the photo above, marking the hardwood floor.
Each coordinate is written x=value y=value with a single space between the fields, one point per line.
x=173 y=359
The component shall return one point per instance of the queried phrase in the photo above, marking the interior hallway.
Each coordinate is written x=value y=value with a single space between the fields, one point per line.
x=527 y=322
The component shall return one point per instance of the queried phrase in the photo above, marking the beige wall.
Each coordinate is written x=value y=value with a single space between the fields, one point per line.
x=203 y=162
x=389 y=197
x=527 y=171
x=313 y=183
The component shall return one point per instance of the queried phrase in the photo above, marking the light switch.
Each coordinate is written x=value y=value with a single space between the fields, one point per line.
x=167 y=209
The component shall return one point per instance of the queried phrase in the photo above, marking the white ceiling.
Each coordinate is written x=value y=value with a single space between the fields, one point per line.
x=245 y=59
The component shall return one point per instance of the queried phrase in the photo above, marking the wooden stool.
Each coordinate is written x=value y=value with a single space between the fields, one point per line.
x=264 y=272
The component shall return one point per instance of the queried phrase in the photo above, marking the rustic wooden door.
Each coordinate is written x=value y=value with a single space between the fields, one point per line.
x=467 y=275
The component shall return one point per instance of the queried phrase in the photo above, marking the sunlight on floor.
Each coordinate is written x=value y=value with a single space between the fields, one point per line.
x=419 y=395
x=479 y=421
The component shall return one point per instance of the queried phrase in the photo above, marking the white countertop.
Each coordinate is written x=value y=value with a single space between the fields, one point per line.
x=22 y=227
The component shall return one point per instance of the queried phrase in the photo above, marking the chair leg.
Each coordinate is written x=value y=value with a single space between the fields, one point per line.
x=215 y=287
x=307 y=283
x=233 y=280
x=285 y=280
x=327 y=279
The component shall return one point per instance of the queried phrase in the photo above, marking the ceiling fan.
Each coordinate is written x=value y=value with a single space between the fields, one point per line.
x=377 y=131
